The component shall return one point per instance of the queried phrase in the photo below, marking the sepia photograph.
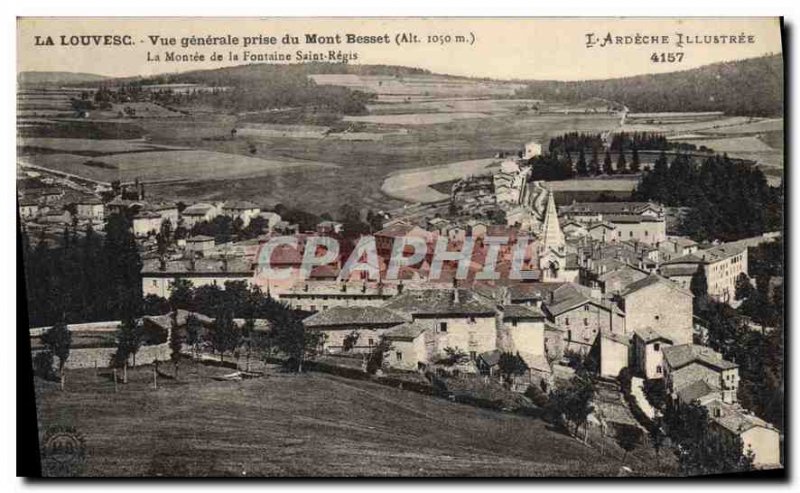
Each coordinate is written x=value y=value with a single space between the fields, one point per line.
x=360 y=247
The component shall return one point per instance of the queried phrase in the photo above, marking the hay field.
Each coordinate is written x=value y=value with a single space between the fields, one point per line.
x=304 y=425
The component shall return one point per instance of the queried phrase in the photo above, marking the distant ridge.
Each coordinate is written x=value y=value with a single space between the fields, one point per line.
x=750 y=87
x=53 y=78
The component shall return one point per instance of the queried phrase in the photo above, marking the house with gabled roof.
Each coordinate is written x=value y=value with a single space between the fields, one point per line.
x=686 y=364
x=367 y=323
x=657 y=303
x=581 y=317
x=648 y=347
x=457 y=318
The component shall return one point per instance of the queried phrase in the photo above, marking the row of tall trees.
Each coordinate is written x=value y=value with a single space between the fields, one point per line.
x=574 y=142
x=726 y=199
x=83 y=277
x=555 y=166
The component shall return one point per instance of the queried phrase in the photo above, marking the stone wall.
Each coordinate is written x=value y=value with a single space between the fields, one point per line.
x=101 y=357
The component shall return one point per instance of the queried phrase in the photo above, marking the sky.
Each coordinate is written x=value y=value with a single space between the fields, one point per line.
x=503 y=48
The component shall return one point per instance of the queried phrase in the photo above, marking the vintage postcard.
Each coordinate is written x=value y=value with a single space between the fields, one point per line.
x=417 y=247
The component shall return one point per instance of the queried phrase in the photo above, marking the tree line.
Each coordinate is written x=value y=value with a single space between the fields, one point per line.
x=759 y=354
x=726 y=199
x=574 y=142
x=554 y=166
x=84 y=277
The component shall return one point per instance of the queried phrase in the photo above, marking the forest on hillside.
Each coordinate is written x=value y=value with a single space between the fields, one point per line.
x=752 y=87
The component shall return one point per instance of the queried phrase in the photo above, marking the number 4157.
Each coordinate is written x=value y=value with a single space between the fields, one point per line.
x=672 y=57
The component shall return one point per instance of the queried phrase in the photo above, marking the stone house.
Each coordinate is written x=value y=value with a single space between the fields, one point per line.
x=722 y=265
x=408 y=346
x=241 y=209
x=454 y=318
x=369 y=323
x=146 y=223
x=158 y=275
x=659 y=304
x=581 y=317
x=90 y=208
x=201 y=244
x=198 y=213
x=758 y=437
x=686 y=364
x=648 y=349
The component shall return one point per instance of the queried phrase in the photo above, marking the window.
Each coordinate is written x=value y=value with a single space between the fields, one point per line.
x=645 y=232
x=657 y=347
x=585 y=322
x=442 y=326
x=313 y=308
x=569 y=335
x=473 y=355
x=658 y=369
x=630 y=234
x=399 y=356
x=472 y=320
x=370 y=341
x=566 y=321
x=324 y=307
x=514 y=323
x=155 y=283
x=586 y=308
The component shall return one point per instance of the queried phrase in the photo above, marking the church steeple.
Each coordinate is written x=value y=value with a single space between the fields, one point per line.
x=551 y=236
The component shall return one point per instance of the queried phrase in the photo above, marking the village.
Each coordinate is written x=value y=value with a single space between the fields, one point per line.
x=597 y=288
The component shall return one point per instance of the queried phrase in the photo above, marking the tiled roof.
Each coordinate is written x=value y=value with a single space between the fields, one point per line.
x=608 y=207
x=625 y=275
x=677 y=270
x=200 y=209
x=631 y=219
x=714 y=254
x=695 y=391
x=684 y=354
x=406 y=331
x=570 y=296
x=441 y=302
x=354 y=315
x=652 y=280
x=648 y=335
x=491 y=357
x=614 y=337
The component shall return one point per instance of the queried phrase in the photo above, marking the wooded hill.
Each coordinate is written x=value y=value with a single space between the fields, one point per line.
x=752 y=87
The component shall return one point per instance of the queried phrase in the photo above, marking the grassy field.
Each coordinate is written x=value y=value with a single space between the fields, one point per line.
x=302 y=425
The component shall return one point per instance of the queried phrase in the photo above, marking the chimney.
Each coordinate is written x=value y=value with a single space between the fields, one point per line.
x=455 y=296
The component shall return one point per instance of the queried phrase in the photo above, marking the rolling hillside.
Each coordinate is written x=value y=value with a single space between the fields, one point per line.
x=57 y=78
x=752 y=87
